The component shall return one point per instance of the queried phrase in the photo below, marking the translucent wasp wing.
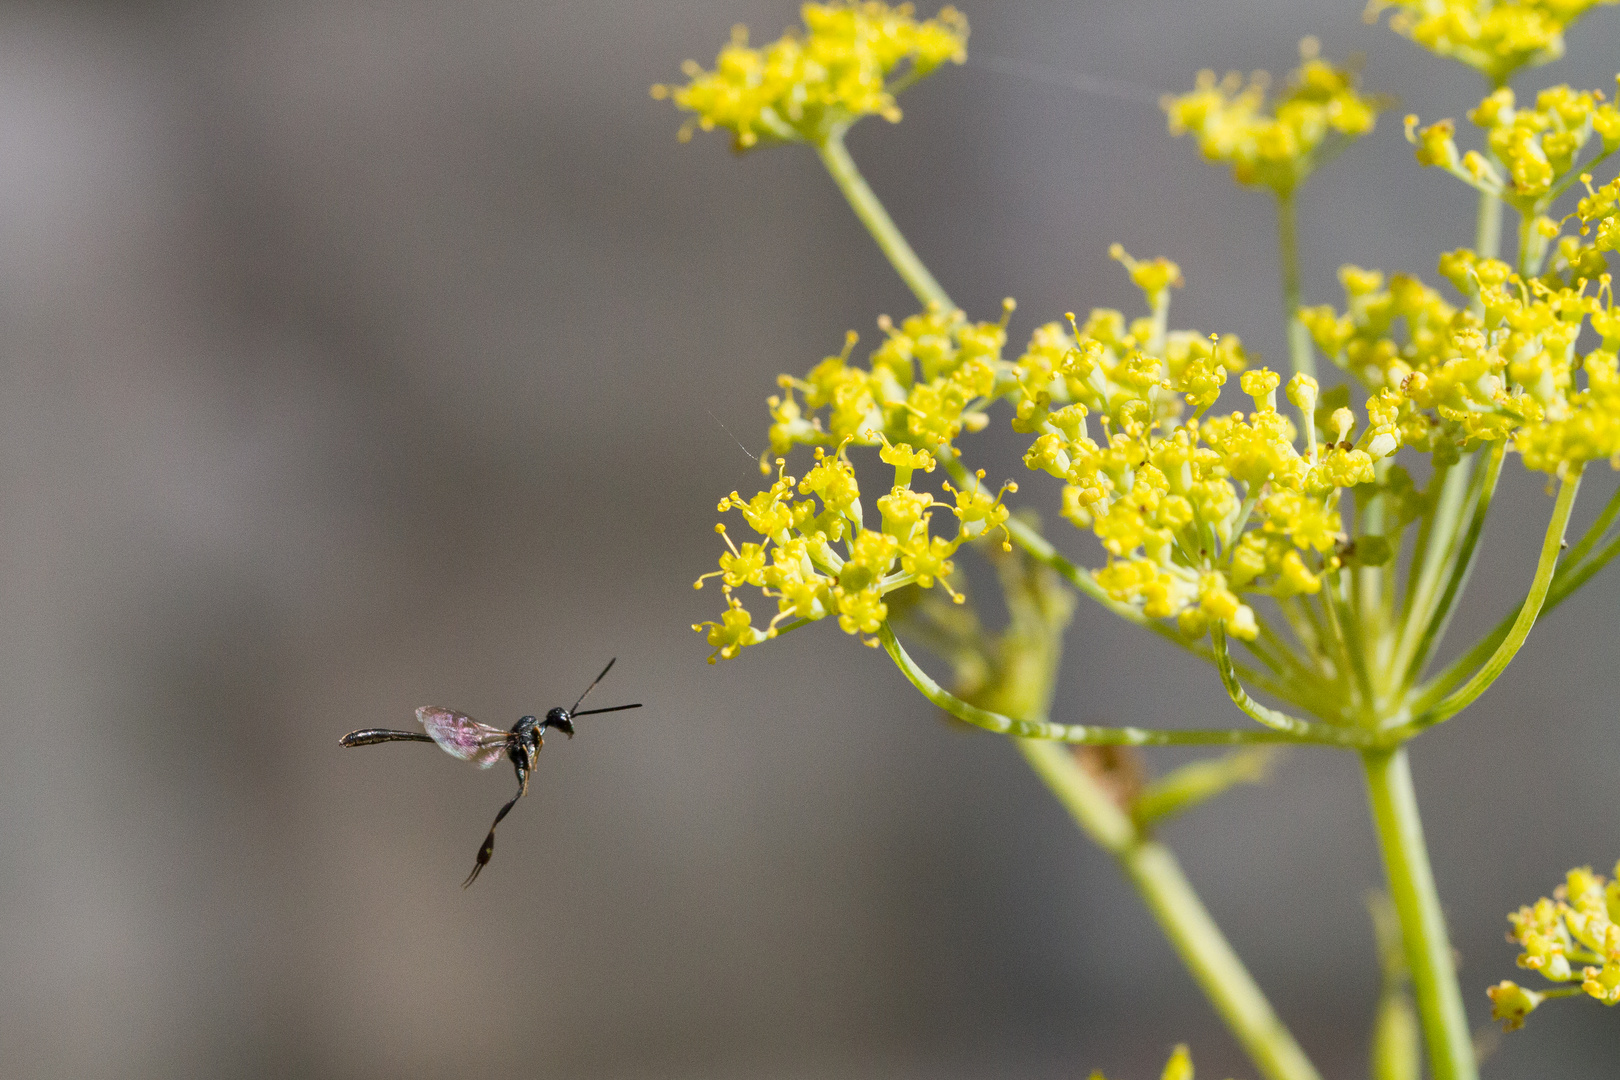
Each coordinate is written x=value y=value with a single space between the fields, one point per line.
x=460 y=736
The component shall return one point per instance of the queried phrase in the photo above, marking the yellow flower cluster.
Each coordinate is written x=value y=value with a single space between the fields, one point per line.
x=1275 y=144
x=804 y=85
x=1533 y=153
x=1572 y=938
x=1190 y=511
x=1179 y=1067
x=1495 y=37
x=1193 y=510
x=1505 y=368
x=1599 y=213
x=931 y=378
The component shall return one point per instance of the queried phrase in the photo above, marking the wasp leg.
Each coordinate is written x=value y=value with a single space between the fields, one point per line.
x=488 y=848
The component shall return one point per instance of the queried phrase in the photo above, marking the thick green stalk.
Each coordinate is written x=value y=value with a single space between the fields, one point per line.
x=1180 y=914
x=1423 y=925
x=1299 y=338
x=841 y=167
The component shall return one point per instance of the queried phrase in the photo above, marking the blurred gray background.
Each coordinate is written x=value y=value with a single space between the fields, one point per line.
x=358 y=356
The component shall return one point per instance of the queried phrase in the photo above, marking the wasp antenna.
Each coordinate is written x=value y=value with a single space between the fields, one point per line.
x=615 y=708
x=594 y=681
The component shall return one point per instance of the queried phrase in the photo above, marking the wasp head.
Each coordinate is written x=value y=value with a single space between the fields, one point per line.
x=558 y=718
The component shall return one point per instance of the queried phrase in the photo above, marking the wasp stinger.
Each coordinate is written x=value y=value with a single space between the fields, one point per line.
x=463 y=737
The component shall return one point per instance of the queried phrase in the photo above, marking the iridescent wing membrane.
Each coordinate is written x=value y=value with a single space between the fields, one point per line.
x=461 y=736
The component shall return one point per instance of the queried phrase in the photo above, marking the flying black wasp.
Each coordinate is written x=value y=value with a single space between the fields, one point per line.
x=461 y=736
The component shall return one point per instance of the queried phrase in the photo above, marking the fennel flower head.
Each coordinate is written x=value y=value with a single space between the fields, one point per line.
x=1572 y=938
x=849 y=61
x=1193 y=508
x=1275 y=143
x=1494 y=37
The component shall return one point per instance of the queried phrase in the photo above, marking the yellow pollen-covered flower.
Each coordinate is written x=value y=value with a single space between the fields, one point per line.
x=732 y=632
x=1495 y=37
x=850 y=60
x=1534 y=150
x=860 y=611
x=931 y=378
x=1278 y=143
x=1574 y=938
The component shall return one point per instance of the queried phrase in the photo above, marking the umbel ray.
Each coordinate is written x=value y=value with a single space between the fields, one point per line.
x=461 y=736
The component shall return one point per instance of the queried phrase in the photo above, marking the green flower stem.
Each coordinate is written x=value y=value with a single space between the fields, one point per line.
x=835 y=156
x=1423 y=926
x=1440 y=482
x=1434 y=556
x=1530 y=246
x=1299 y=338
x=1551 y=545
x=1367 y=583
x=1574 y=570
x=1396 y=1051
x=1605 y=518
x=1581 y=574
x=1301 y=730
x=1348 y=630
x=1270 y=651
x=1397 y=1037
x=1196 y=782
x=1438 y=619
x=1571 y=178
x=1302 y=673
x=1488 y=226
x=1181 y=915
x=1081 y=734
x=1302 y=624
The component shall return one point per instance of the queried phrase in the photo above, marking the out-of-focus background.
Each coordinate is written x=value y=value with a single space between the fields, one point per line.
x=359 y=356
